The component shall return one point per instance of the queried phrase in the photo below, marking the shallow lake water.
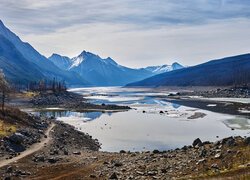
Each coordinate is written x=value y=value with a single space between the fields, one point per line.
x=144 y=127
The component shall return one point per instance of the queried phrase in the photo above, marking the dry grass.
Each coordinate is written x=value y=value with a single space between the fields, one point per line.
x=6 y=129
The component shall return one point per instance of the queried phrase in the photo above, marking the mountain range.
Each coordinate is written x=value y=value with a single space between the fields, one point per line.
x=106 y=72
x=21 y=64
x=227 y=71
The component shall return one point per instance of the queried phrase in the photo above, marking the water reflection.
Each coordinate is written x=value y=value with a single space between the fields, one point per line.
x=87 y=116
x=144 y=127
x=238 y=123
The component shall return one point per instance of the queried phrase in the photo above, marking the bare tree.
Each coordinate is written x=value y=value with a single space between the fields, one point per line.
x=4 y=88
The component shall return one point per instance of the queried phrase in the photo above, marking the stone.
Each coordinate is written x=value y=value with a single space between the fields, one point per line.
x=197 y=142
x=152 y=173
x=52 y=160
x=9 y=169
x=118 y=164
x=92 y=176
x=140 y=173
x=113 y=176
x=201 y=161
x=122 y=151
x=156 y=151
x=215 y=166
x=17 y=138
x=247 y=141
x=217 y=156
x=77 y=153
x=230 y=142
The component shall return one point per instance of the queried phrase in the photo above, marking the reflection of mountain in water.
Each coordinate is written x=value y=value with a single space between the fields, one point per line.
x=86 y=115
x=92 y=115
x=176 y=106
x=238 y=123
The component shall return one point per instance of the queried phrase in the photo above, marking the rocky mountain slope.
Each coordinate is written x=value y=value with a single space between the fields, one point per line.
x=222 y=72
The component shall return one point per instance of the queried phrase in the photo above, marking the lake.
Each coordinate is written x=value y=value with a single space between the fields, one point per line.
x=143 y=127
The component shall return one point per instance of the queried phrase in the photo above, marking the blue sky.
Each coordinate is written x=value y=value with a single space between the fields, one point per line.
x=133 y=32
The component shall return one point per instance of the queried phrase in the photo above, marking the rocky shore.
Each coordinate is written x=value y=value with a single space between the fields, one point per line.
x=69 y=100
x=239 y=92
x=28 y=130
x=74 y=155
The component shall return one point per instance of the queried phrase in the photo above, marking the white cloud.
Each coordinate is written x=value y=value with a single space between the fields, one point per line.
x=133 y=32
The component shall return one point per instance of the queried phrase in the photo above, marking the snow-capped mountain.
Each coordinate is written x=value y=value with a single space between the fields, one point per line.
x=164 y=68
x=227 y=71
x=99 y=71
x=46 y=68
x=106 y=72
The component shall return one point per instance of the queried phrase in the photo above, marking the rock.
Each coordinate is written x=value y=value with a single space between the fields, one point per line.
x=217 y=156
x=201 y=161
x=65 y=152
x=39 y=158
x=215 y=166
x=17 y=138
x=203 y=153
x=113 y=176
x=77 y=153
x=7 y=178
x=247 y=141
x=52 y=160
x=92 y=176
x=156 y=151
x=152 y=173
x=230 y=142
x=184 y=148
x=9 y=169
x=197 y=142
x=140 y=173
x=118 y=164
x=122 y=151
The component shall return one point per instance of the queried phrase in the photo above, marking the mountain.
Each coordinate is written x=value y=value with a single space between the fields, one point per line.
x=17 y=69
x=164 y=68
x=222 y=72
x=106 y=72
x=63 y=62
x=46 y=67
x=98 y=71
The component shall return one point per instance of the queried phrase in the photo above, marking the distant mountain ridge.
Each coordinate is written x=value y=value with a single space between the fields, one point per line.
x=38 y=63
x=106 y=72
x=227 y=71
x=164 y=68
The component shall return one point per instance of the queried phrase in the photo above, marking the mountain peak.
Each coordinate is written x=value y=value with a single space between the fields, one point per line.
x=55 y=55
x=176 y=65
x=87 y=53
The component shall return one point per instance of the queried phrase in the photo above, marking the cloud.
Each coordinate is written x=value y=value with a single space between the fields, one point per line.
x=134 y=32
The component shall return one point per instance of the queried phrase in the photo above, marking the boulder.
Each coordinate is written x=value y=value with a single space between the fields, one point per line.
x=113 y=176
x=247 y=141
x=197 y=142
x=16 y=138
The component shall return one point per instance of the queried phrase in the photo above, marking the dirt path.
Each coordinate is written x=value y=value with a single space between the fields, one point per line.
x=32 y=149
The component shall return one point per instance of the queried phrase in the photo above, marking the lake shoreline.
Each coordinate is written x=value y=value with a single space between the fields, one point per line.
x=228 y=157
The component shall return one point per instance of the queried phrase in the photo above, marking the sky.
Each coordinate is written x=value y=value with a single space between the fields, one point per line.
x=135 y=33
